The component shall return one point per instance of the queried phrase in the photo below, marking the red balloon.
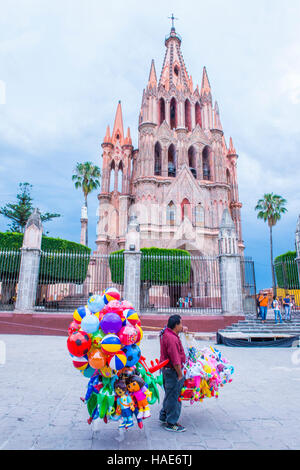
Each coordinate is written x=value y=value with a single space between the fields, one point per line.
x=79 y=343
x=128 y=335
x=74 y=326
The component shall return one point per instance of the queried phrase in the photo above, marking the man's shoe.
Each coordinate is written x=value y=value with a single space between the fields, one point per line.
x=175 y=427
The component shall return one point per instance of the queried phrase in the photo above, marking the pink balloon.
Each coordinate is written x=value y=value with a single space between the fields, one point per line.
x=128 y=335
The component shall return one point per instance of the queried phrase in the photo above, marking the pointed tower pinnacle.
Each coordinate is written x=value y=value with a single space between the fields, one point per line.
x=174 y=71
x=118 y=131
x=107 y=138
x=205 y=87
x=217 y=120
x=128 y=140
x=152 y=82
x=231 y=150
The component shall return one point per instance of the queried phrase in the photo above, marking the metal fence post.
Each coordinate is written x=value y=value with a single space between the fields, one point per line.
x=30 y=263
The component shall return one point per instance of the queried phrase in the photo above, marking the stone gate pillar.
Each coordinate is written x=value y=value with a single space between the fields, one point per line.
x=230 y=268
x=132 y=260
x=30 y=264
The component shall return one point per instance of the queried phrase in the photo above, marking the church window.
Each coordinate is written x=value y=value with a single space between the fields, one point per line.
x=185 y=209
x=172 y=161
x=157 y=159
x=198 y=114
x=120 y=178
x=173 y=114
x=112 y=177
x=206 y=163
x=199 y=216
x=188 y=118
x=176 y=70
x=162 y=111
x=192 y=161
x=171 y=214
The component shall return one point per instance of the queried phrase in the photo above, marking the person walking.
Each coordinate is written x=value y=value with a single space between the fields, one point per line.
x=287 y=307
x=258 y=311
x=171 y=348
x=263 y=303
x=276 y=308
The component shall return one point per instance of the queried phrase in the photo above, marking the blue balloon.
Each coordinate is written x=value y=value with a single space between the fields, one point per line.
x=133 y=354
x=90 y=324
x=96 y=303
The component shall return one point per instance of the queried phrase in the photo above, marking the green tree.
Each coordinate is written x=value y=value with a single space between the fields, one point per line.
x=87 y=177
x=20 y=212
x=270 y=209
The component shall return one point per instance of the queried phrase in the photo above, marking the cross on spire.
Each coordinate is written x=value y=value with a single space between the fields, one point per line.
x=173 y=19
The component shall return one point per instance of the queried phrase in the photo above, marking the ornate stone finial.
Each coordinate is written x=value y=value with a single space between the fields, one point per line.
x=227 y=235
x=227 y=221
x=35 y=219
x=33 y=231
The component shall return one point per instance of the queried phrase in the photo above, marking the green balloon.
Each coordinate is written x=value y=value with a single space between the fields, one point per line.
x=97 y=338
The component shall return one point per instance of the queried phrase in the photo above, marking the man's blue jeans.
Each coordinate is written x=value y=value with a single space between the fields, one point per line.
x=287 y=309
x=171 y=407
x=277 y=313
x=264 y=311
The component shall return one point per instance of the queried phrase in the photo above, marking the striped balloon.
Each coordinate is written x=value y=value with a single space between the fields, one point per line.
x=131 y=316
x=111 y=344
x=80 y=363
x=118 y=361
x=81 y=312
x=111 y=294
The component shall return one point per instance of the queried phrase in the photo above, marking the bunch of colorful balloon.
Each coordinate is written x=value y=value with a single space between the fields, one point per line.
x=206 y=371
x=104 y=339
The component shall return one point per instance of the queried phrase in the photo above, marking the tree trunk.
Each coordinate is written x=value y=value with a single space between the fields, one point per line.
x=272 y=264
x=87 y=223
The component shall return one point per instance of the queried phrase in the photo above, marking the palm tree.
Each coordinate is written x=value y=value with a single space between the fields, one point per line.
x=270 y=209
x=87 y=177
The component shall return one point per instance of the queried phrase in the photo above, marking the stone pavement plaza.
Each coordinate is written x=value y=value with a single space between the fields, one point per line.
x=40 y=406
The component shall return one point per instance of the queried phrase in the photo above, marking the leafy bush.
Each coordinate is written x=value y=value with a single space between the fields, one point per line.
x=61 y=260
x=286 y=271
x=159 y=266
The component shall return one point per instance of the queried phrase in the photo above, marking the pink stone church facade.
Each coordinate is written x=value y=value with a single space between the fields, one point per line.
x=182 y=175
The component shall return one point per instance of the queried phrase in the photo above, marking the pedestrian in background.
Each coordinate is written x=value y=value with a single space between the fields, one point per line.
x=287 y=307
x=276 y=308
x=263 y=303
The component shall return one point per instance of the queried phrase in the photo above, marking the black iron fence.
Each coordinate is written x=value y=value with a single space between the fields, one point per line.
x=10 y=261
x=67 y=279
x=248 y=285
x=171 y=283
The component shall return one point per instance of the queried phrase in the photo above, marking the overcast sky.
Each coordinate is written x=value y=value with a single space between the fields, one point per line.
x=64 y=64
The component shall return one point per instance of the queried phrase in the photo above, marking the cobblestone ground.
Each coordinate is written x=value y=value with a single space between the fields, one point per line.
x=40 y=406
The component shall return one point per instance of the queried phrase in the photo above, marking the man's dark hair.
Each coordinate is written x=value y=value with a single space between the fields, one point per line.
x=173 y=321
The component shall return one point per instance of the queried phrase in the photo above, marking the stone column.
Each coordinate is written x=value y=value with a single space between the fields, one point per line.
x=132 y=259
x=230 y=268
x=30 y=264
